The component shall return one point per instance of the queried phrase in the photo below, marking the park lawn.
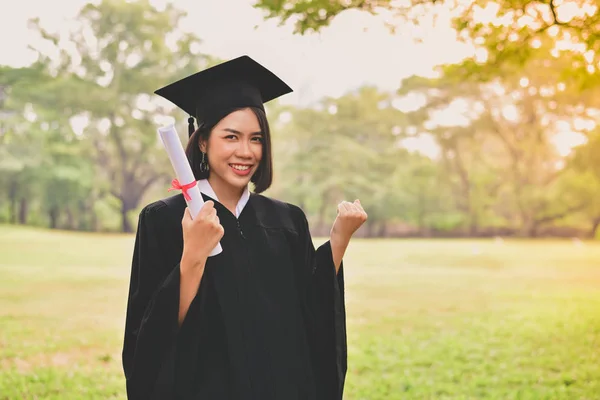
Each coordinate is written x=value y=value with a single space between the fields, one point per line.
x=427 y=319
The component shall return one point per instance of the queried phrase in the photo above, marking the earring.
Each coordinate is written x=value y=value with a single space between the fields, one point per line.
x=204 y=164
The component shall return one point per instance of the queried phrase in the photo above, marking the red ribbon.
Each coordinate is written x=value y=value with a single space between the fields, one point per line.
x=175 y=185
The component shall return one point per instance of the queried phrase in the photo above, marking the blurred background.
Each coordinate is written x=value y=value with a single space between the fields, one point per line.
x=468 y=129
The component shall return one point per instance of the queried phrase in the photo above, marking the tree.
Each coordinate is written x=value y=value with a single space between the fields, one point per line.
x=125 y=51
x=348 y=148
x=469 y=159
x=416 y=195
x=506 y=30
x=43 y=167
x=585 y=183
x=21 y=150
x=502 y=159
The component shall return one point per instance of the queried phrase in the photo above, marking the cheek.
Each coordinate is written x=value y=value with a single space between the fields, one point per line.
x=258 y=152
x=222 y=151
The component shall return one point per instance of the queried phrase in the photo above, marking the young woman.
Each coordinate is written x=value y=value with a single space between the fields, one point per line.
x=265 y=318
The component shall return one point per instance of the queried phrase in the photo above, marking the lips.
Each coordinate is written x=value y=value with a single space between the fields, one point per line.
x=241 y=169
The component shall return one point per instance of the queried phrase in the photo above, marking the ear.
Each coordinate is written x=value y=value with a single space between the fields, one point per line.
x=202 y=145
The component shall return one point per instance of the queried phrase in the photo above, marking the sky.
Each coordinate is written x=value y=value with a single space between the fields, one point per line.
x=356 y=49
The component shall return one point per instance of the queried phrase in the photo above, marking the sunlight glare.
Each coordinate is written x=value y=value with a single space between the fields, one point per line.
x=424 y=144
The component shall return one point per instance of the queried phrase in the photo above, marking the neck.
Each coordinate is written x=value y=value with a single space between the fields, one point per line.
x=228 y=196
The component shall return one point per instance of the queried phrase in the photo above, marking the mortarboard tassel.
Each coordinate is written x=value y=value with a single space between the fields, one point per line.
x=190 y=126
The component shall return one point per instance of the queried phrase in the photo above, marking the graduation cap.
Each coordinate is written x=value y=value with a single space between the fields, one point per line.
x=211 y=94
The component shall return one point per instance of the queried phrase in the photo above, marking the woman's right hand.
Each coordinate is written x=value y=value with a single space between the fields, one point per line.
x=200 y=235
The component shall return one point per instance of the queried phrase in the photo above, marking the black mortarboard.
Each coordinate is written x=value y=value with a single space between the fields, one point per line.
x=211 y=94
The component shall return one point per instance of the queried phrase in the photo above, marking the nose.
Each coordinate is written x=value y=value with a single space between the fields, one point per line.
x=243 y=150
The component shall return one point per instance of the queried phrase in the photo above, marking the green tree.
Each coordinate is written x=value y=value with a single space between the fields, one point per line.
x=501 y=161
x=419 y=194
x=348 y=148
x=40 y=154
x=125 y=50
x=22 y=150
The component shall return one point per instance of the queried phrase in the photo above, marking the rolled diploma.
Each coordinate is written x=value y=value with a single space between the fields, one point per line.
x=184 y=173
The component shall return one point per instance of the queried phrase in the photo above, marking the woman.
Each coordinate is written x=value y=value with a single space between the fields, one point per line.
x=265 y=318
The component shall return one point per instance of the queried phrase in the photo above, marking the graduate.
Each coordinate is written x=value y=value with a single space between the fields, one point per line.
x=265 y=318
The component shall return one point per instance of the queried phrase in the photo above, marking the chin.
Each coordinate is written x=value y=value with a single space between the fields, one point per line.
x=239 y=181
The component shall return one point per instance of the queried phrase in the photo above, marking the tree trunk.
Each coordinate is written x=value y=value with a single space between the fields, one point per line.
x=130 y=196
x=421 y=213
x=12 y=194
x=82 y=220
x=95 y=226
x=321 y=217
x=299 y=183
x=535 y=223
x=533 y=230
x=125 y=224
x=474 y=224
x=530 y=227
x=91 y=201
x=595 y=224
x=383 y=230
x=526 y=224
x=370 y=229
x=23 y=211
x=53 y=215
x=70 y=219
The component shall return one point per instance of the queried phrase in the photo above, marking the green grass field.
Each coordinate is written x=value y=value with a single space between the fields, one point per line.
x=427 y=319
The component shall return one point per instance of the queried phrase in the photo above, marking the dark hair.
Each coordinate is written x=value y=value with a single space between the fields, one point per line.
x=262 y=178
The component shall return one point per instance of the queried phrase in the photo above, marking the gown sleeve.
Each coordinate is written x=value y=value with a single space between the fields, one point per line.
x=326 y=313
x=151 y=323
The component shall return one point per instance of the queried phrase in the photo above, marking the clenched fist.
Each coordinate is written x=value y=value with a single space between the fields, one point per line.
x=350 y=217
x=201 y=234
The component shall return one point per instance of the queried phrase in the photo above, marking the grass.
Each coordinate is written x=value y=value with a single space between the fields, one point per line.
x=427 y=319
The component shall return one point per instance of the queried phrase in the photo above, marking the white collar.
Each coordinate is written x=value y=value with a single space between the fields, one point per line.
x=205 y=188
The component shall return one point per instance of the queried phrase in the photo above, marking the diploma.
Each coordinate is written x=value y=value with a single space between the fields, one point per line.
x=185 y=177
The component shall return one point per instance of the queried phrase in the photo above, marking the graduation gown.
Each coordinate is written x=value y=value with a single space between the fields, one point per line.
x=268 y=321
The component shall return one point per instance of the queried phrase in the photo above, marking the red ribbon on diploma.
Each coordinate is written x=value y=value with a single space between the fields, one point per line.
x=175 y=185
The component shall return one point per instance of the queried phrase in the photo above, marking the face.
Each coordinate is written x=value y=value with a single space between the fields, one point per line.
x=234 y=150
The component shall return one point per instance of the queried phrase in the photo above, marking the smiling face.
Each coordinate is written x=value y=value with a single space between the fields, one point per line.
x=234 y=150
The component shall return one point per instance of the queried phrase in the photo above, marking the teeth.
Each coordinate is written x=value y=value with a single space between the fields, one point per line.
x=240 y=167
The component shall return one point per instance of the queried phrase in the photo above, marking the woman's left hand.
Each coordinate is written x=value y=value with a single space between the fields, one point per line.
x=350 y=217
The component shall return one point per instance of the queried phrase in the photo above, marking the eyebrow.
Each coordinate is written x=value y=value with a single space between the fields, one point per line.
x=240 y=133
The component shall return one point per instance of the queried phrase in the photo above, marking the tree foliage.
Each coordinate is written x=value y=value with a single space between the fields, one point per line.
x=122 y=55
x=506 y=31
x=78 y=148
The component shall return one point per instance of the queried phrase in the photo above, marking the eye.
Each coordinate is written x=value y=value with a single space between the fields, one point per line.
x=230 y=137
x=258 y=139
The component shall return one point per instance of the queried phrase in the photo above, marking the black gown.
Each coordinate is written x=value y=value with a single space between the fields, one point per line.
x=268 y=321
